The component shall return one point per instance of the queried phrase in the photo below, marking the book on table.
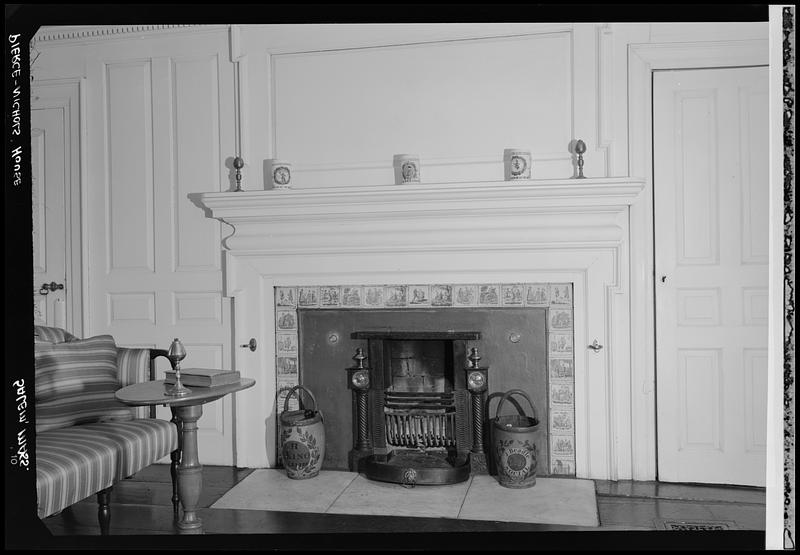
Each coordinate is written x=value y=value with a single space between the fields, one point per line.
x=203 y=377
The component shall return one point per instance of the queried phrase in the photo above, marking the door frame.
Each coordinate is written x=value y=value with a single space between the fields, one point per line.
x=643 y=60
x=76 y=255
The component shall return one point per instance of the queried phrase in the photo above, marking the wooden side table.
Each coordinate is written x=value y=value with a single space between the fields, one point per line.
x=188 y=409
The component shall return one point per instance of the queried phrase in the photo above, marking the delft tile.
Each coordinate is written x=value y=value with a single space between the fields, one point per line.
x=489 y=295
x=370 y=497
x=537 y=294
x=513 y=294
x=562 y=369
x=560 y=319
x=549 y=501
x=351 y=296
x=561 y=293
x=286 y=343
x=562 y=447
x=419 y=295
x=373 y=296
x=287 y=365
x=562 y=466
x=561 y=422
x=562 y=395
x=329 y=295
x=286 y=296
x=286 y=319
x=465 y=295
x=396 y=295
x=267 y=489
x=442 y=295
x=308 y=296
x=560 y=343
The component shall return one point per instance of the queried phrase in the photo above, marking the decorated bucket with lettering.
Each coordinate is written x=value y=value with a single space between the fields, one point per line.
x=514 y=449
x=302 y=438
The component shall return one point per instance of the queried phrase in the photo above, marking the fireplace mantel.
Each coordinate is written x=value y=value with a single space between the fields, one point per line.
x=590 y=232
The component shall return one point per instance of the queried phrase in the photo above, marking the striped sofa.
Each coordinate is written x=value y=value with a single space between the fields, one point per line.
x=86 y=440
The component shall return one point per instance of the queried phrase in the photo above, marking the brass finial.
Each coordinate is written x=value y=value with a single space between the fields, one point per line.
x=359 y=358
x=580 y=148
x=238 y=163
x=474 y=357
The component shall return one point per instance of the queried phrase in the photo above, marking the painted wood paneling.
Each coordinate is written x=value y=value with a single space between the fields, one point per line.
x=129 y=165
x=195 y=84
x=340 y=116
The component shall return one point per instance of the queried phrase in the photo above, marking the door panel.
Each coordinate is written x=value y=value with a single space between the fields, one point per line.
x=50 y=172
x=711 y=227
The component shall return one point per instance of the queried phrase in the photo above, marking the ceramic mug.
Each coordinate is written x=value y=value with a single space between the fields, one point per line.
x=517 y=164
x=280 y=174
x=406 y=168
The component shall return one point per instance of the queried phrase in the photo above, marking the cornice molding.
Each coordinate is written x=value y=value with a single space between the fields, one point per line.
x=58 y=34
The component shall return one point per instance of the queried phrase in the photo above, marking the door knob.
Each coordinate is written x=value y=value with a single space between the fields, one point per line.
x=250 y=344
x=52 y=286
x=595 y=346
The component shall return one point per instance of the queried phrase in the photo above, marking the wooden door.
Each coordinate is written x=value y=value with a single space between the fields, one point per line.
x=710 y=145
x=55 y=192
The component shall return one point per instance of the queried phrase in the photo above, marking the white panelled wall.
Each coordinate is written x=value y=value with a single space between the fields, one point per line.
x=167 y=109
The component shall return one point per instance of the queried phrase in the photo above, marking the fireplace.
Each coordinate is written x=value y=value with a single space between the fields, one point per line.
x=416 y=428
x=421 y=354
x=367 y=247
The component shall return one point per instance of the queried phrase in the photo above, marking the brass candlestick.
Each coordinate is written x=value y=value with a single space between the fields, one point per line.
x=175 y=355
x=238 y=164
x=580 y=148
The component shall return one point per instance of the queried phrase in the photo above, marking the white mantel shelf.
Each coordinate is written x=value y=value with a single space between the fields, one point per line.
x=451 y=198
x=592 y=233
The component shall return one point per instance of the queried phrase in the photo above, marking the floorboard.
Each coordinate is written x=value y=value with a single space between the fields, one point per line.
x=141 y=506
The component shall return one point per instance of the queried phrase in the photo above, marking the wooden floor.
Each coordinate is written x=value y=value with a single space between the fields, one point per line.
x=635 y=513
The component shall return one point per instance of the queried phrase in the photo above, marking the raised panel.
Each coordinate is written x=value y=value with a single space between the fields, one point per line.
x=755 y=301
x=131 y=308
x=195 y=308
x=197 y=160
x=699 y=398
x=755 y=399
x=129 y=164
x=753 y=105
x=205 y=355
x=698 y=307
x=696 y=174
x=39 y=199
x=340 y=116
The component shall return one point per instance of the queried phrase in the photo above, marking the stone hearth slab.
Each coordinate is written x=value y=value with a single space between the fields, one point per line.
x=369 y=497
x=565 y=501
x=550 y=501
x=273 y=490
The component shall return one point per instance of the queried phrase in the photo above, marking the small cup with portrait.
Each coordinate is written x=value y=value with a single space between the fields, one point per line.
x=517 y=164
x=280 y=174
x=406 y=168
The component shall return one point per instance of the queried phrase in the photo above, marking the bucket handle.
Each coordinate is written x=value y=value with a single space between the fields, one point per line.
x=299 y=400
x=508 y=395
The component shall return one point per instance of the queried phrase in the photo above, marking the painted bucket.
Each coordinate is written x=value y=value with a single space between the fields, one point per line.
x=514 y=451
x=302 y=438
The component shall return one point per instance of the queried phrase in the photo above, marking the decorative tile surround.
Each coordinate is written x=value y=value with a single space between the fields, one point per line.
x=556 y=297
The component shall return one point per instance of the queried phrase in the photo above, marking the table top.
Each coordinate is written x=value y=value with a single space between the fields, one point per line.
x=154 y=393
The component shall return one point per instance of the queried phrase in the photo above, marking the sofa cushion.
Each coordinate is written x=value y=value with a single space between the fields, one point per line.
x=44 y=334
x=75 y=383
x=75 y=462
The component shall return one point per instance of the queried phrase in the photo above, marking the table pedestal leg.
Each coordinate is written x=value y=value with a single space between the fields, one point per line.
x=190 y=471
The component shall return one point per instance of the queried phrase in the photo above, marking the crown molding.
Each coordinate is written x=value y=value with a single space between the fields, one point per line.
x=74 y=33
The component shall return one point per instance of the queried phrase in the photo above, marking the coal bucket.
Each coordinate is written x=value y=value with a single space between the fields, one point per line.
x=302 y=438
x=514 y=449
